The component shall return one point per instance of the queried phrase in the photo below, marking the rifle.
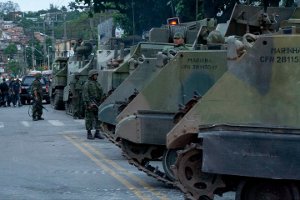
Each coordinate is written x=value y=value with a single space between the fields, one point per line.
x=38 y=104
x=95 y=102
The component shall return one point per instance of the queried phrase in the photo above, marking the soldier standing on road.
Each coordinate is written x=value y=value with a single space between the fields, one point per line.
x=77 y=96
x=4 y=92
x=16 y=90
x=10 y=90
x=37 y=93
x=92 y=95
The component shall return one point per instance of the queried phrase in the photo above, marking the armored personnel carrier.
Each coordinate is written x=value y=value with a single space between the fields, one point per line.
x=77 y=70
x=110 y=61
x=59 y=81
x=147 y=63
x=144 y=123
x=243 y=134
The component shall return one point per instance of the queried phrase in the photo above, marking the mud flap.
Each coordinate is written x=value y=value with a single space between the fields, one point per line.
x=66 y=93
x=253 y=154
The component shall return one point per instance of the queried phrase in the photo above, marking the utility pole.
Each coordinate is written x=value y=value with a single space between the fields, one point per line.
x=197 y=9
x=133 y=21
x=52 y=35
x=25 y=60
x=44 y=43
x=32 y=56
x=65 y=36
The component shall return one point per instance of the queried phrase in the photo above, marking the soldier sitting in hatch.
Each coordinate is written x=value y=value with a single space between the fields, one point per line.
x=179 y=45
x=178 y=40
x=170 y=52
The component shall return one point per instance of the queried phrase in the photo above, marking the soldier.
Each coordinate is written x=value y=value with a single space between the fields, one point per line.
x=178 y=40
x=10 y=83
x=37 y=93
x=92 y=94
x=4 y=92
x=16 y=90
x=77 y=96
x=179 y=44
x=169 y=52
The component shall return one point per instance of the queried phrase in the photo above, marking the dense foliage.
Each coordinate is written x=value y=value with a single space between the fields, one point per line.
x=137 y=16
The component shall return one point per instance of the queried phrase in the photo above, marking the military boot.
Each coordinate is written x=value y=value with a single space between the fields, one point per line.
x=89 y=135
x=34 y=119
x=40 y=118
x=98 y=135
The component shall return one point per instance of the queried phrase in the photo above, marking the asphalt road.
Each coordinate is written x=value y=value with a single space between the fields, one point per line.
x=53 y=160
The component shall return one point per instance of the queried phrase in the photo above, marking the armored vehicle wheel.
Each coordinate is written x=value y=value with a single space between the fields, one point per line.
x=140 y=155
x=192 y=181
x=169 y=159
x=140 y=152
x=267 y=189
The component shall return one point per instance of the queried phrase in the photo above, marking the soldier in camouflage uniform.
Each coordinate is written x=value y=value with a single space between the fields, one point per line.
x=179 y=45
x=76 y=91
x=37 y=94
x=178 y=40
x=91 y=95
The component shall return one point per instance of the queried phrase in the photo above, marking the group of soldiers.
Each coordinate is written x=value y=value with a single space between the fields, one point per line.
x=10 y=92
x=92 y=95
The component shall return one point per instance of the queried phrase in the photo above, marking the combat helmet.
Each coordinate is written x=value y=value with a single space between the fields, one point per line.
x=178 y=35
x=92 y=72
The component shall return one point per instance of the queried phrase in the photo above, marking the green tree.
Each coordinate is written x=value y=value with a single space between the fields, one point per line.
x=133 y=16
x=8 y=6
x=11 y=50
x=14 y=67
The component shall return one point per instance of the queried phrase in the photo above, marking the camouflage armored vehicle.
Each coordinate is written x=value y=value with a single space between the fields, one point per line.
x=113 y=64
x=146 y=64
x=243 y=134
x=77 y=70
x=110 y=74
x=144 y=123
x=59 y=81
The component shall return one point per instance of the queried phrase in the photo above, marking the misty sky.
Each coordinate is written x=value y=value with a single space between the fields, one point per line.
x=35 y=5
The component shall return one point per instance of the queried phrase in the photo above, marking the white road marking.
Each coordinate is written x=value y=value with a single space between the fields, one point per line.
x=56 y=122
x=25 y=123
x=1 y=125
x=80 y=121
x=74 y=131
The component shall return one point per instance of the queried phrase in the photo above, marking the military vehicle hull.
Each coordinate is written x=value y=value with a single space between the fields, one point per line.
x=143 y=65
x=145 y=69
x=77 y=74
x=144 y=123
x=112 y=71
x=150 y=116
x=59 y=81
x=245 y=130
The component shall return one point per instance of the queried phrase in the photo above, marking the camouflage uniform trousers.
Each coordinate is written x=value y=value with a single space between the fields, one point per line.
x=78 y=108
x=91 y=118
x=37 y=109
